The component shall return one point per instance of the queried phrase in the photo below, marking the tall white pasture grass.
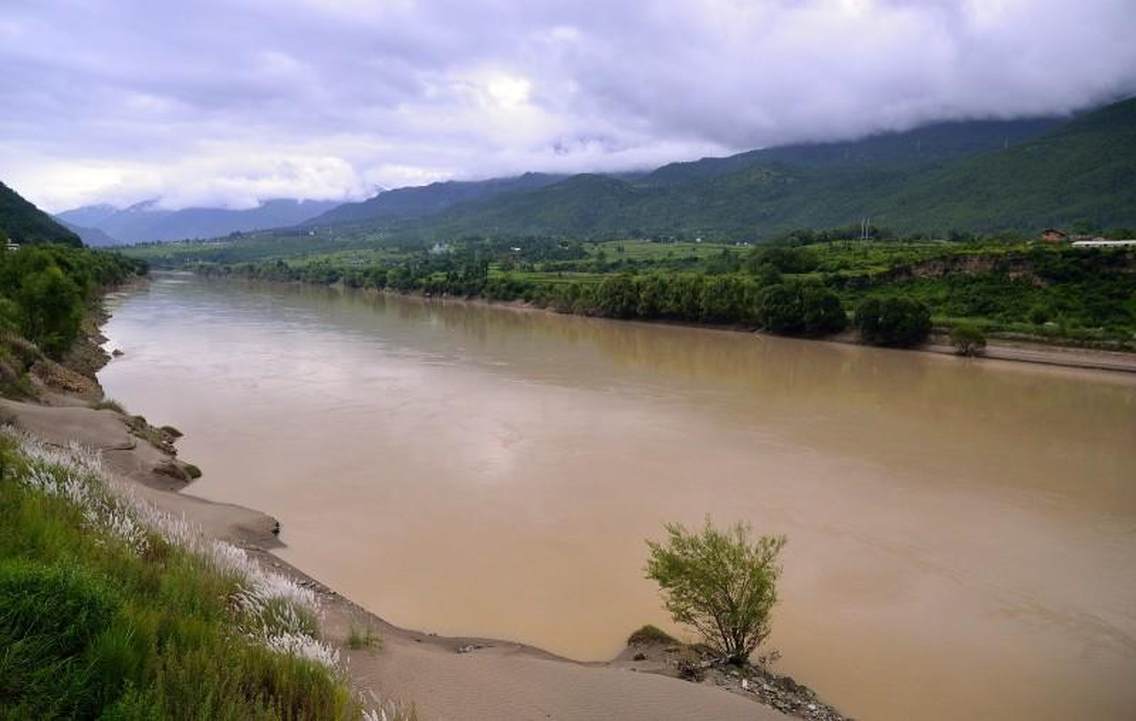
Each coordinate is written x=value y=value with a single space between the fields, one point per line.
x=269 y=607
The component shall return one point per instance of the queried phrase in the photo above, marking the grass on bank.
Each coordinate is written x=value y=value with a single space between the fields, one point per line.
x=363 y=638
x=650 y=634
x=112 y=610
x=109 y=404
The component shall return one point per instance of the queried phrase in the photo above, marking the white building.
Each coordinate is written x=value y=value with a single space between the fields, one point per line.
x=1103 y=243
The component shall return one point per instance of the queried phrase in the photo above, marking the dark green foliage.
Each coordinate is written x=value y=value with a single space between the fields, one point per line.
x=44 y=290
x=781 y=311
x=824 y=315
x=801 y=309
x=51 y=309
x=724 y=300
x=897 y=322
x=617 y=297
x=23 y=223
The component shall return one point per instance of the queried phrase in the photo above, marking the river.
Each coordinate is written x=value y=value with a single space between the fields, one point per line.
x=962 y=534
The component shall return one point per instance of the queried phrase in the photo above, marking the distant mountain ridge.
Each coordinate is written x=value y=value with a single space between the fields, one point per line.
x=983 y=175
x=144 y=222
x=23 y=222
x=980 y=175
x=90 y=236
x=421 y=201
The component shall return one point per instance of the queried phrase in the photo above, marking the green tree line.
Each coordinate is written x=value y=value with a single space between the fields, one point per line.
x=44 y=290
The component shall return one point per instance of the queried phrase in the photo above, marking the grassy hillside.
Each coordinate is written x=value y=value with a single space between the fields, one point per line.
x=112 y=610
x=22 y=222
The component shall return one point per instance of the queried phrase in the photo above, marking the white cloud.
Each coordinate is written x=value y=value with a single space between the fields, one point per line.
x=226 y=102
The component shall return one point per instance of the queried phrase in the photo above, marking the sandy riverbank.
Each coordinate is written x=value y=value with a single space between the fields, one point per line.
x=489 y=679
x=446 y=678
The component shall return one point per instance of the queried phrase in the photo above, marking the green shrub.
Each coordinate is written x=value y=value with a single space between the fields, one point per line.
x=967 y=339
x=108 y=404
x=720 y=583
x=617 y=297
x=360 y=638
x=801 y=309
x=897 y=322
x=650 y=634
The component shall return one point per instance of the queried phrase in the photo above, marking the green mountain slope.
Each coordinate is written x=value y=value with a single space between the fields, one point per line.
x=1083 y=171
x=981 y=176
x=414 y=202
x=921 y=146
x=22 y=222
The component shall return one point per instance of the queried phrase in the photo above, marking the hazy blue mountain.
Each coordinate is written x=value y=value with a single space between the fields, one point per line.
x=87 y=216
x=145 y=221
x=90 y=236
x=420 y=201
x=22 y=222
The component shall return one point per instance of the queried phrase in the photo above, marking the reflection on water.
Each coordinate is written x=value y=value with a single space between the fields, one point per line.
x=962 y=536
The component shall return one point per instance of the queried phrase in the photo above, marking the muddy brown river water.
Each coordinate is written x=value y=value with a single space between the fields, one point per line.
x=962 y=535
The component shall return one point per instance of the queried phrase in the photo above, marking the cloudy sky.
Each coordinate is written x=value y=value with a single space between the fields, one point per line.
x=224 y=102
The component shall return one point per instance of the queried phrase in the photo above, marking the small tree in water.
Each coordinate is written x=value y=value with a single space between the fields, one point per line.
x=721 y=583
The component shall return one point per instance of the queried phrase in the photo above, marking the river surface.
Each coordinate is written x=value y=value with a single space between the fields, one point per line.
x=962 y=535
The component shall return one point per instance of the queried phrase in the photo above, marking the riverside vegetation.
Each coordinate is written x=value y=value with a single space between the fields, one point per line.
x=111 y=610
x=964 y=201
x=806 y=283
x=720 y=583
x=45 y=291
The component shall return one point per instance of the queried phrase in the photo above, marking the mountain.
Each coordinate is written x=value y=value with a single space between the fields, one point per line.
x=90 y=236
x=1084 y=170
x=145 y=221
x=921 y=146
x=88 y=216
x=978 y=175
x=420 y=201
x=22 y=222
